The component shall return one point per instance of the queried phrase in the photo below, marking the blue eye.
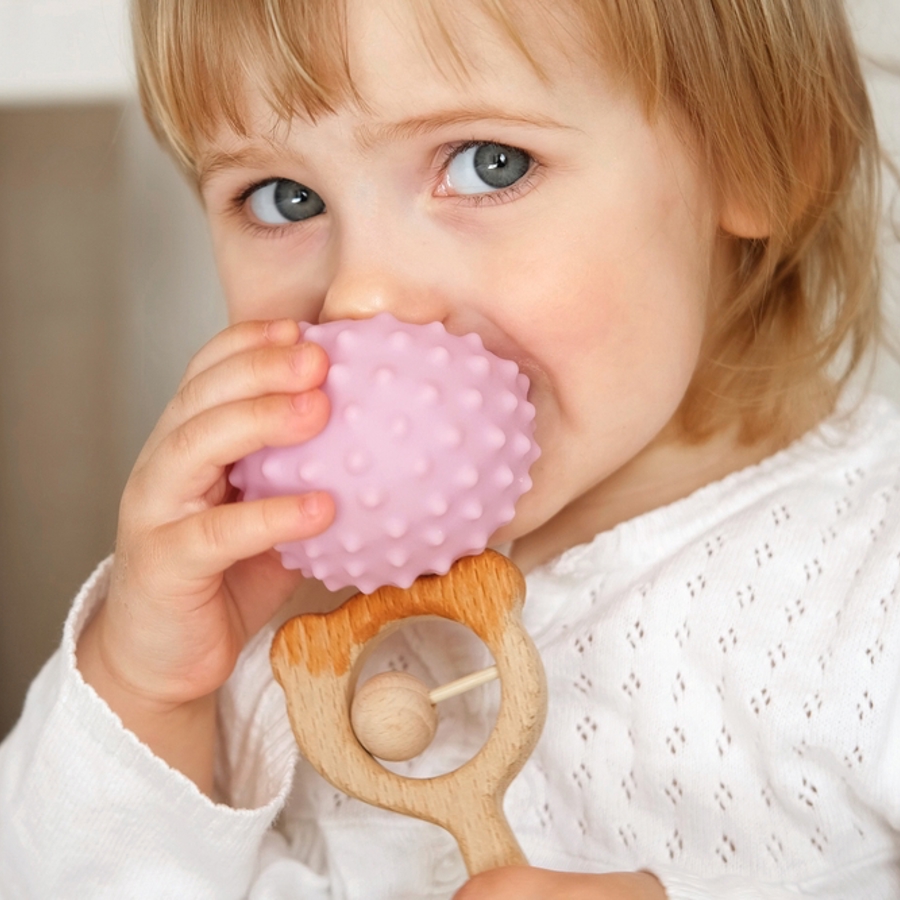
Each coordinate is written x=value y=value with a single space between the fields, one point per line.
x=485 y=167
x=282 y=201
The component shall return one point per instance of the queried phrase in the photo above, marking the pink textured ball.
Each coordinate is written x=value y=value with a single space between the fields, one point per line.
x=426 y=453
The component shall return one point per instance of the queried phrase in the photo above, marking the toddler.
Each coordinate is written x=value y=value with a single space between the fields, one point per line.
x=665 y=212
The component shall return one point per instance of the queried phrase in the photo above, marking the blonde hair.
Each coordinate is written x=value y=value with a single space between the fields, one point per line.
x=772 y=89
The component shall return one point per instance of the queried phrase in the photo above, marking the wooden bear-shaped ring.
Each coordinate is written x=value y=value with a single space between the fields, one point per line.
x=316 y=658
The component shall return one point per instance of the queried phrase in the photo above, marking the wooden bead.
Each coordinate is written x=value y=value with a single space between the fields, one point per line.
x=393 y=717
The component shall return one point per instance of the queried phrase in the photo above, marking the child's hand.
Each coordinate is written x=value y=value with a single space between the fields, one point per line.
x=526 y=883
x=194 y=576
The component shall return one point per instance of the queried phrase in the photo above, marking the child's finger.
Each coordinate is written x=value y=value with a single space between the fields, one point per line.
x=239 y=338
x=191 y=459
x=260 y=370
x=526 y=883
x=266 y=370
x=203 y=545
x=233 y=341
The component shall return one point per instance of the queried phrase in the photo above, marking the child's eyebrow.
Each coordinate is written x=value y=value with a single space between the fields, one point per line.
x=211 y=163
x=369 y=136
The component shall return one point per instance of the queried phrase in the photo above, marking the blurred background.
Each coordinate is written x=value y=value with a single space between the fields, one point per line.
x=107 y=287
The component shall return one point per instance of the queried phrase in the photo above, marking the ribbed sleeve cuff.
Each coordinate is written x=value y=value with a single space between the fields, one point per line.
x=90 y=811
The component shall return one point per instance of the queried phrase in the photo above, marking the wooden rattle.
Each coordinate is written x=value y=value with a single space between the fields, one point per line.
x=317 y=658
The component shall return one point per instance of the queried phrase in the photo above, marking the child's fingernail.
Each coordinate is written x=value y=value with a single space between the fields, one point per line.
x=313 y=504
x=282 y=331
x=302 y=359
x=303 y=403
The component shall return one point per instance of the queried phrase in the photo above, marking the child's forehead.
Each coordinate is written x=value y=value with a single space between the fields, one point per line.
x=463 y=35
x=408 y=75
x=260 y=67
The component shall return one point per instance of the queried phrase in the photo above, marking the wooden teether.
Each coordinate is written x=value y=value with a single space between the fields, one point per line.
x=316 y=659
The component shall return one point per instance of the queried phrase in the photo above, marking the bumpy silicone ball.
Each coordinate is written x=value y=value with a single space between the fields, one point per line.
x=426 y=453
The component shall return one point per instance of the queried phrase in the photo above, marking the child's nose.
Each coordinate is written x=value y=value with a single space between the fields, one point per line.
x=361 y=295
x=382 y=261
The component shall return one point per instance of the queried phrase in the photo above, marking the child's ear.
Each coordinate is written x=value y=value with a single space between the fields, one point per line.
x=739 y=219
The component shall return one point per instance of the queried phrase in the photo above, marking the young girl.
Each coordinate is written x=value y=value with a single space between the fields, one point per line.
x=665 y=212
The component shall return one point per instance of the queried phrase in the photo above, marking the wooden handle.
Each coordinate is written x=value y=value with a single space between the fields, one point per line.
x=485 y=839
x=316 y=659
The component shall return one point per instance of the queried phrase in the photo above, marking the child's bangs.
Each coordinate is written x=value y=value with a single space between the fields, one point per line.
x=198 y=61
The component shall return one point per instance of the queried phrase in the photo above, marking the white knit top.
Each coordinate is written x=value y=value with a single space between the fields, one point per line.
x=724 y=679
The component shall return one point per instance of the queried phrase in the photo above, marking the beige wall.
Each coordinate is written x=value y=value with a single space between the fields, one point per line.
x=106 y=287
x=59 y=472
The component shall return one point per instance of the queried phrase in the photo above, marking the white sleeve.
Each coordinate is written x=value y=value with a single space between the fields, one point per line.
x=86 y=810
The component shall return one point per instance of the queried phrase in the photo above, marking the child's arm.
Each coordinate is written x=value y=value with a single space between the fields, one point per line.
x=194 y=576
x=87 y=810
